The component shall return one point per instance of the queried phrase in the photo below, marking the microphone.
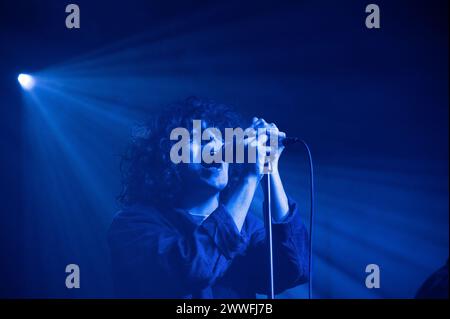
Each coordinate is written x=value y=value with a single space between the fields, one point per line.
x=285 y=141
x=288 y=140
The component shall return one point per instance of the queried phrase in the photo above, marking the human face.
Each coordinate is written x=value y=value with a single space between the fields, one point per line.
x=203 y=176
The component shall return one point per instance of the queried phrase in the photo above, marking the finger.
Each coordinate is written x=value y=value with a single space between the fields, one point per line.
x=249 y=140
x=260 y=123
x=263 y=154
x=257 y=123
x=264 y=150
x=253 y=144
x=272 y=129
x=262 y=139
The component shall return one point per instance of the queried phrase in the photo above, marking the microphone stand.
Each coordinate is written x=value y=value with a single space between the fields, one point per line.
x=267 y=213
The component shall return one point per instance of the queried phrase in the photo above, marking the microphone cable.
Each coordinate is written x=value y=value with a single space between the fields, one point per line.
x=311 y=217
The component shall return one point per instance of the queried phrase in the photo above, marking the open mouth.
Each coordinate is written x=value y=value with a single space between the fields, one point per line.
x=212 y=165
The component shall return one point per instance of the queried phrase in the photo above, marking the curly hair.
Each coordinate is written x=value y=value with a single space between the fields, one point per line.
x=148 y=174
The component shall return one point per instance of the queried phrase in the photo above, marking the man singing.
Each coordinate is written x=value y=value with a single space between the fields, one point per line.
x=184 y=230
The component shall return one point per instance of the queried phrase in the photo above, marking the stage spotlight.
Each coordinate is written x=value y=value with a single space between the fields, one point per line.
x=26 y=81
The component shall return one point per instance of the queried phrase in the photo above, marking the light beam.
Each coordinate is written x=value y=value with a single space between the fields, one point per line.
x=26 y=81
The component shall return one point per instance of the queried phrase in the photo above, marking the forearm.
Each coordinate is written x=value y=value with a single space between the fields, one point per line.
x=238 y=203
x=279 y=200
x=290 y=248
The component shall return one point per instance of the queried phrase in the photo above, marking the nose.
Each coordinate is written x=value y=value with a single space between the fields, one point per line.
x=218 y=144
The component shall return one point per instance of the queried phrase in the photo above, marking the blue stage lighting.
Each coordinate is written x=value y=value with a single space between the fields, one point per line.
x=26 y=81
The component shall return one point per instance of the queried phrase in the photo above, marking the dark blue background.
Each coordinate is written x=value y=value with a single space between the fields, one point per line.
x=373 y=105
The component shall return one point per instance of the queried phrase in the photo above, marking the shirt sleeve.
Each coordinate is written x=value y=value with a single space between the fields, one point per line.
x=224 y=233
x=150 y=256
x=290 y=254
